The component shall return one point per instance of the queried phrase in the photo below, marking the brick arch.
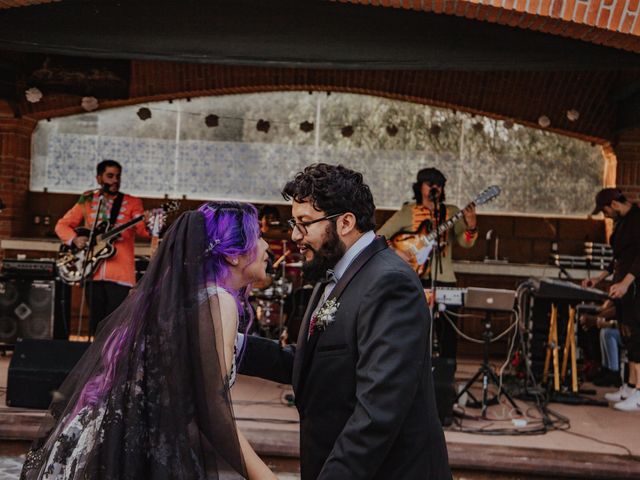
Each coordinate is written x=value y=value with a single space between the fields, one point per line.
x=77 y=109
x=612 y=23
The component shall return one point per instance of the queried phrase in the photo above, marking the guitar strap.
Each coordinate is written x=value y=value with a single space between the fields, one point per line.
x=115 y=209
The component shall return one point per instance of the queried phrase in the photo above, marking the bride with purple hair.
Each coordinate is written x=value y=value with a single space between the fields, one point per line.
x=150 y=399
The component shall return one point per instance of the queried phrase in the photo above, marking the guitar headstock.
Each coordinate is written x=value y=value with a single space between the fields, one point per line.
x=156 y=220
x=487 y=195
x=157 y=217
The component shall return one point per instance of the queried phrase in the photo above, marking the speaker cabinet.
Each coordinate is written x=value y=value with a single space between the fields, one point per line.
x=27 y=309
x=38 y=368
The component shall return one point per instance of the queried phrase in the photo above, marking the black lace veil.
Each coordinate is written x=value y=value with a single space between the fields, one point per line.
x=150 y=398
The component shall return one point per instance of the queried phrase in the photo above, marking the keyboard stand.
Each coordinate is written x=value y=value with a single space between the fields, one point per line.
x=486 y=373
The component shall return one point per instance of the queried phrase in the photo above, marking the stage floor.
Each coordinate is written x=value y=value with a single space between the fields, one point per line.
x=598 y=443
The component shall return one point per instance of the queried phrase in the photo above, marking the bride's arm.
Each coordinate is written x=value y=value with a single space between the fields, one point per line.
x=256 y=468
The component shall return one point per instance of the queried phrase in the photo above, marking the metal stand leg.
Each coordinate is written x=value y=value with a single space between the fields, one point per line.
x=487 y=375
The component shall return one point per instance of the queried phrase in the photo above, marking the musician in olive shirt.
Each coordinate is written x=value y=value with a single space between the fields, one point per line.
x=429 y=192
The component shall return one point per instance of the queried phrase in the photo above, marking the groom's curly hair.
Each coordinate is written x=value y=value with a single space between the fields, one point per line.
x=334 y=189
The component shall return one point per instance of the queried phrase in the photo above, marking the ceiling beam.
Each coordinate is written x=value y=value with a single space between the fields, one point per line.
x=293 y=33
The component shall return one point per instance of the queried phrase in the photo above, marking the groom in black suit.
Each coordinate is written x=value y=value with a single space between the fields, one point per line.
x=361 y=371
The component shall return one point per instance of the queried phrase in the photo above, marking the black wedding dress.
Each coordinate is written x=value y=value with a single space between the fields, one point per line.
x=150 y=398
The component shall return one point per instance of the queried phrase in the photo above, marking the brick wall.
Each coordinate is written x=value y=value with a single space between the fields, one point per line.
x=627 y=151
x=15 y=158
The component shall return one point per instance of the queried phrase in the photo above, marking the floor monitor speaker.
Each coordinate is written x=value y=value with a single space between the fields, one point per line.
x=38 y=368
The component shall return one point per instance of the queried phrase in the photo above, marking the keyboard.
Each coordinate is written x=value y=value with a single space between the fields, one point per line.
x=563 y=290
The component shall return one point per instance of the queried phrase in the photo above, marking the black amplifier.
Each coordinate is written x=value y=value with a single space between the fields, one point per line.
x=41 y=269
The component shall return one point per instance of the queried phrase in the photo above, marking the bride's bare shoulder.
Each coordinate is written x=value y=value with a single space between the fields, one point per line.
x=228 y=306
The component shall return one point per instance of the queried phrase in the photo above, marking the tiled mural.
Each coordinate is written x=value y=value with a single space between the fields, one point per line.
x=244 y=165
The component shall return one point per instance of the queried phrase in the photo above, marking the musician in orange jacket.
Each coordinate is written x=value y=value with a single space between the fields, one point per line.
x=114 y=276
x=429 y=193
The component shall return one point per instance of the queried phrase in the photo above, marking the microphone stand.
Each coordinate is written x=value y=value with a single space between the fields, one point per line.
x=85 y=263
x=436 y=262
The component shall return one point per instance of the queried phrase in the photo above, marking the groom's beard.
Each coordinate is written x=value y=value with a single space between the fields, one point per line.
x=326 y=257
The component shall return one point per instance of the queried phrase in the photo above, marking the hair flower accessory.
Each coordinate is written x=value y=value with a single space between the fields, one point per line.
x=214 y=244
x=327 y=314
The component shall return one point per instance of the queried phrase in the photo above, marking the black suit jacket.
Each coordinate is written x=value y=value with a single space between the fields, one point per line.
x=363 y=386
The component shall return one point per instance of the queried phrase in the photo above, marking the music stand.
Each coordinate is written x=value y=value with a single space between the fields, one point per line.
x=489 y=300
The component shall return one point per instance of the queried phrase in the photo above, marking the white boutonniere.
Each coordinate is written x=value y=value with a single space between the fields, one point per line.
x=327 y=314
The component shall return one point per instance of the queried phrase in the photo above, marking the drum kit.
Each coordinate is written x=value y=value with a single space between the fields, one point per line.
x=271 y=299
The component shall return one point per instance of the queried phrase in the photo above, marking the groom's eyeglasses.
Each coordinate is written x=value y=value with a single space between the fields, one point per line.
x=302 y=226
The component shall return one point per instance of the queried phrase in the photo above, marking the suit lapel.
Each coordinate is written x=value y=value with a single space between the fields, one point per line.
x=305 y=348
x=378 y=244
x=301 y=344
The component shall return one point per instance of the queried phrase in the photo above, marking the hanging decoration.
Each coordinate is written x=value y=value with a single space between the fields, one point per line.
x=263 y=126
x=33 y=95
x=89 y=103
x=435 y=129
x=544 y=121
x=144 y=113
x=347 y=131
x=573 y=115
x=306 y=126
x=212 y=120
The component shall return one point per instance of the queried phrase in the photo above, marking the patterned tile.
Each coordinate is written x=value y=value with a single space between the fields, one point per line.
x=539 y=172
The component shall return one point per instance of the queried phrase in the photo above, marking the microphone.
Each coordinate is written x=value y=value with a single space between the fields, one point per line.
x=433 y=193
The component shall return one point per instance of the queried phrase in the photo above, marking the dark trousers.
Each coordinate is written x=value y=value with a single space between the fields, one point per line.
x=103 y=298
x=628 y=308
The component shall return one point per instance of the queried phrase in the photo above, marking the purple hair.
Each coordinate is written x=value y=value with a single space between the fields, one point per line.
x=232 y=229
x=95 y=388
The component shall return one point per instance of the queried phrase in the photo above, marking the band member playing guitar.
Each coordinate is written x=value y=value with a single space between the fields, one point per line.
x=429 y=212
x=114 y=276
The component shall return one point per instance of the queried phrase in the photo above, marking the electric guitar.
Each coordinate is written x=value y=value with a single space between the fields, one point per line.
x=418 y=245
x=75 y=264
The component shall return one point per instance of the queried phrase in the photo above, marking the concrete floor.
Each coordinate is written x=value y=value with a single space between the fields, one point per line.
x=11 y=464
x=598 y=439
